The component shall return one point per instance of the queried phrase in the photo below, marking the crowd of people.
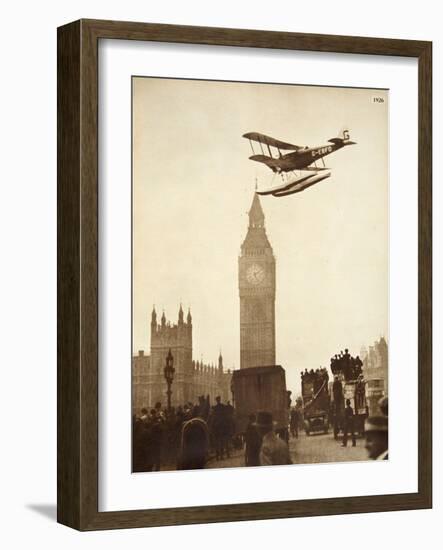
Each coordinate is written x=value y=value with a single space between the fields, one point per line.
x=311 y=375
x=344 y=363
x=182 y=437
x=315 y=379
x=185 y=437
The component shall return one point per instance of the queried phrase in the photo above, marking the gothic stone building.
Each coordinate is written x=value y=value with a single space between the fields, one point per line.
x=191 y=378
x=256 y=279
x=375 y=369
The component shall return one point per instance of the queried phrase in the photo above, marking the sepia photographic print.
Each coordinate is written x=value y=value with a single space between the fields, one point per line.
x=260 y=265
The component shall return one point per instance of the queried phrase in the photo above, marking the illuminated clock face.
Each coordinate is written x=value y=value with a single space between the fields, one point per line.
x=255 y=274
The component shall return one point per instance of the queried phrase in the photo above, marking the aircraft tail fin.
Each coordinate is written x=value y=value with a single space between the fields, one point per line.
x=343 y=138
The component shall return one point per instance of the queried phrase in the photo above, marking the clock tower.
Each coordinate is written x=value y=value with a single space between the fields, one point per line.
x=256 y=281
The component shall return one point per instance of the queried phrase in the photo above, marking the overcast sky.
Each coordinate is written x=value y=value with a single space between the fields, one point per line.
x=193 y=185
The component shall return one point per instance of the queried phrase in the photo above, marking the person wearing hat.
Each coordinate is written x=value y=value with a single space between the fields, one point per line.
x=220 y=429
x=252 y=443
x=337 y=389
x=348 y=424
x=294 y=421
x=273 y=450
x=376 y=431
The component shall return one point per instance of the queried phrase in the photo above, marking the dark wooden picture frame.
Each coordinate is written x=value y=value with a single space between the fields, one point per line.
x=77 y=173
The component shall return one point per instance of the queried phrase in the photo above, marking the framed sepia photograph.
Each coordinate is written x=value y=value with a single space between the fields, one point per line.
x=244 y=274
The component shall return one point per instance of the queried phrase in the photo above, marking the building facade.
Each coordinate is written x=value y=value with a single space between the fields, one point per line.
x=191 y=378
x=256 y=280
x=141 y=388
x=375 y=370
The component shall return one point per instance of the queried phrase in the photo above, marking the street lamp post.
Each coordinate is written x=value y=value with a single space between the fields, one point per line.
x=169 y=375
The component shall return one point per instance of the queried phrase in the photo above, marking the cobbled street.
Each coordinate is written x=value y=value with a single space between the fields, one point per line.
x=312 y=449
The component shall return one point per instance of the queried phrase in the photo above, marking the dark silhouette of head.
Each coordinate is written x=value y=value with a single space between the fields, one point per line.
x=264 y=422
x=376 y=432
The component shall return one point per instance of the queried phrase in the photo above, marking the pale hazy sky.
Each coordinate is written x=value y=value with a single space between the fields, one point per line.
x=193 y=185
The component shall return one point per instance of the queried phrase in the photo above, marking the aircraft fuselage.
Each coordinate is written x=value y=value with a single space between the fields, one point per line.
x=302 y=158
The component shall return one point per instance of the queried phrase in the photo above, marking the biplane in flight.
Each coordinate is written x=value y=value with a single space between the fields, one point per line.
x=297 y=169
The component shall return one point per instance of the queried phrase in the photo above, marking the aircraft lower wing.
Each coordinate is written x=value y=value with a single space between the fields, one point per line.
x=273 y=164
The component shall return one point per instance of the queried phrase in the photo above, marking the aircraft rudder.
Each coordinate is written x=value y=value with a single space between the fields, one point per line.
x=344 y=137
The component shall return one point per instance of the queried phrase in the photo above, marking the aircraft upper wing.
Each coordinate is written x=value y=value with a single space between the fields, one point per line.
x=272 y=142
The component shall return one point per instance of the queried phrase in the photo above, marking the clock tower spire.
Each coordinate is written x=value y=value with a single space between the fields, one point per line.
x=256 y=215
x=256 y=279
